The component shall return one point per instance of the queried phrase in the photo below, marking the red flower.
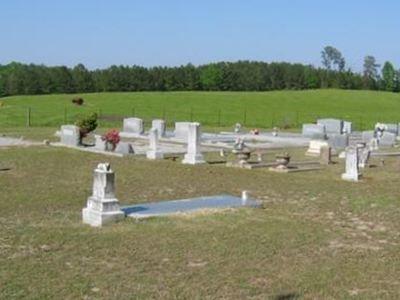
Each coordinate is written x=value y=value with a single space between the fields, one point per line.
x=112 y=136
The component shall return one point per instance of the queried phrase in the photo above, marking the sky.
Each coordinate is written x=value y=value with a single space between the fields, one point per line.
x=100 y=33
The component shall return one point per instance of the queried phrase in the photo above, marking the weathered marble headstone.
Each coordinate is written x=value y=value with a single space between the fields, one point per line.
x=181 y=130
x=314 y=131
x=387 y=139
x=338 y=141
x=367 y=136
x=102 y=206
x=70 y=135
x=352 y=168
x=133 y=125
x=193 y=155
x=315 y=147
x=326 y=155
x=347 y=127
x=154 y=152
x=160 y=125
x=364 y=155
x=331 y=125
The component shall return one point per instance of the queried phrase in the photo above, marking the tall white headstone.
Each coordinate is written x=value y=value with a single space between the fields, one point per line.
x=154 y=152
x=160 y=126
x=193 y=155
x=352 y=168
x=102 y=206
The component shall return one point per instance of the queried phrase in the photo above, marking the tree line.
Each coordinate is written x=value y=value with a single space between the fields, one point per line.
x=30 y=79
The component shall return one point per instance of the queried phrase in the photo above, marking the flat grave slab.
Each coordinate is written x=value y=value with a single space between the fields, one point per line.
x=166 y=208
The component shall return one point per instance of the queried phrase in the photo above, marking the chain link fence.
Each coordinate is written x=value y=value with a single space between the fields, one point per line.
x=19 y=116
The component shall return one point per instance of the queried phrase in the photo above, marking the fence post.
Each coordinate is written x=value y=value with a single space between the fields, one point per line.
x=65 y=115
x=28 y=117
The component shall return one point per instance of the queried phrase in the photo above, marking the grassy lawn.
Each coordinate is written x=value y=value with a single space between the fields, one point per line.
x=254 y=109
x=317 y=237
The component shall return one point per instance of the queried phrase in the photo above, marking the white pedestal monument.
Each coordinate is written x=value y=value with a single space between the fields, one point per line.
x=102 y=206
x=154 y=152
x=352 y=165
x=193 y=155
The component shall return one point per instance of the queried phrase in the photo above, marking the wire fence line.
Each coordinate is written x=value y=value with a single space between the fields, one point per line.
x=35 y=117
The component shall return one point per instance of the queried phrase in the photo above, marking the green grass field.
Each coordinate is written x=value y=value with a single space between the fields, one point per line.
x=253 y=109
x=317 y=237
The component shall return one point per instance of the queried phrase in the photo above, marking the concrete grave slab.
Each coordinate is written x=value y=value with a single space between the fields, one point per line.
x=166 y=208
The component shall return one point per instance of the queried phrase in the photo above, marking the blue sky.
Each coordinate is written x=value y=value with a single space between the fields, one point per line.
x=100 y=33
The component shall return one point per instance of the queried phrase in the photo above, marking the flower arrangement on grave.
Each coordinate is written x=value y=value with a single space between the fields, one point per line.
x=111 y=138
x=86 y=124
x=255 y=131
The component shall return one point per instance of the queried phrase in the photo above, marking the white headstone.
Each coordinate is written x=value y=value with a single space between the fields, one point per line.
x=347 y=127
x=70 y=135
x=315 y=147
x=193 y=155
x=154 y=152
x=133 y=125
x=160 y=126
x=352 y=168
x=181 y=130
x=102 y=207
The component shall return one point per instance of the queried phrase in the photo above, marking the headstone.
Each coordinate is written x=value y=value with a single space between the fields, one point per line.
x=373 y=144
x=367 y=136
x=238 y=128
x=326 y=155
x=315 y=147
x=154 y=152
x=124 y=148
x=352 y=169
x=387 y=139
x=102 y=207
x=193 y=155
x=364 y=155
x=314 y=131
x=70 y=135
x=392 y=128
x=347 y=127
x=338 y=141
x=160 y=126
x=181 y=130
x=99 y=143
x=331 y=125
x=133 y=125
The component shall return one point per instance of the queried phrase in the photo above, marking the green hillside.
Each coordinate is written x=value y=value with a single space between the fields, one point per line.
x=258 y=109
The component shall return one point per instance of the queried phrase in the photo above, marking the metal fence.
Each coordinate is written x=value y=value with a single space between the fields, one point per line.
x=34 y=117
